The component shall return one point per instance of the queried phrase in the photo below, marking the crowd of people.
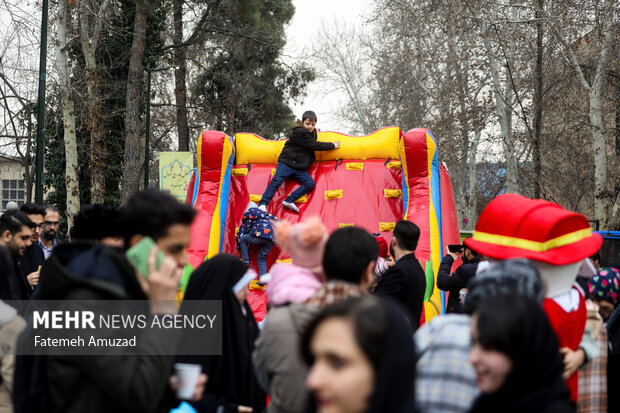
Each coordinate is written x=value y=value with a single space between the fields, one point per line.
x=531 y=324
x=342 y=333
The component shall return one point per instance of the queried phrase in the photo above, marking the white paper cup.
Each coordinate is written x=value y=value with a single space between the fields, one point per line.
x=187 y=375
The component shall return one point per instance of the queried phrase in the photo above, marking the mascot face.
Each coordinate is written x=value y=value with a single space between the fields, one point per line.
x=558 y=279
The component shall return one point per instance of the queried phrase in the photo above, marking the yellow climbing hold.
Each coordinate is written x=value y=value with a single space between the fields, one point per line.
x=333 y=194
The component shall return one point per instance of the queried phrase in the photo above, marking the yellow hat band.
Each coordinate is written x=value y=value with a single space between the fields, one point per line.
x=530 y=245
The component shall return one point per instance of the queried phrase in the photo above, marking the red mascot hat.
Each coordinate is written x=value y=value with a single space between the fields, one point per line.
x=513 y=226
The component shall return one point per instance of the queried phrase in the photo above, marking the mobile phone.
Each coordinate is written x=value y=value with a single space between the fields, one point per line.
x=138 y=255
x=455 y=248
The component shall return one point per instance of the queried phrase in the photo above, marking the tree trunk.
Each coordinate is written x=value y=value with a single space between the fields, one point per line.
x=473 y=180
x=512 y=166
x=180 y=73
x=601 y=211
x=98 y=149
x=538 y=102
x=68 y=115
x=28 y=172
x=460 y=178
x=132 y=165
x=505 y=118
x=603 y=202
x=614 y=215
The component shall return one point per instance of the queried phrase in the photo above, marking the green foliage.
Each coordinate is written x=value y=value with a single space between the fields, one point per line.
x=244 y=86
x=112 y=57
x=156 y=26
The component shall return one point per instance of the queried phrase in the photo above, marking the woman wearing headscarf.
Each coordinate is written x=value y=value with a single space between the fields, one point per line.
x=361 y=358
x=516 y=358
x=231 y=385
x=604 y=290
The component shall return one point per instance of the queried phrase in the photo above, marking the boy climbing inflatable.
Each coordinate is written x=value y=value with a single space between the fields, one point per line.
x=297 y=155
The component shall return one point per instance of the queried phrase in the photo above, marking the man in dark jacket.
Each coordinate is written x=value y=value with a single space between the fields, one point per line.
x=82 y=271
x=49 y=230
x=15 y=236
x=405 y=281
x=6 y=275
x=33 y=257
x=296 y=156
x=453 y=283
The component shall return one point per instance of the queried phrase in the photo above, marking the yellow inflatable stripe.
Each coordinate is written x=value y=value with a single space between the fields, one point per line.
x=273 y=171
x=381 y=144
x=386 y=226
x=431 y=307
x=285 y=261
x=393 y=193
x=403 y=157
x=240 y=171
x=255 y=197
x=435 y=299
x=252 y=149
x=355 y=166
x=394 y=165
x=342 y=225
x=214 y=235
x=199 y=156
x=333 y=194
x=236 y=231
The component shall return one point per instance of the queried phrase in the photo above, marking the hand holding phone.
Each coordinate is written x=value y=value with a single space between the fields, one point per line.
x=457 y=248
x=161 y=287
x=138 y=255
x=159 y=275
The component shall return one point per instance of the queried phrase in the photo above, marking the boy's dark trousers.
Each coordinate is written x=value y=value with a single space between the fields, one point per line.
x=283 y=172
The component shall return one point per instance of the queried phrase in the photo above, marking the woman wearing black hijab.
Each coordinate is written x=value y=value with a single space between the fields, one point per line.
x=231 y=385
x=516 y=357
x=361 y=358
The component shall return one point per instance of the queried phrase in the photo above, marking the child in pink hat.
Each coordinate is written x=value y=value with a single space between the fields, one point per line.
x=296 y=282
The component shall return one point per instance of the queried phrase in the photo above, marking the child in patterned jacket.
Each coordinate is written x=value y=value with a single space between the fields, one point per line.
x=256 y=229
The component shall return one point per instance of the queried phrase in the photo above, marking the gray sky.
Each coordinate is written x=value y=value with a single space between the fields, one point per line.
x=303 y=29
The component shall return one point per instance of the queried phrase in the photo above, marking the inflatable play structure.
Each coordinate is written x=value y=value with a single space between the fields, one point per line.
x=371 y=181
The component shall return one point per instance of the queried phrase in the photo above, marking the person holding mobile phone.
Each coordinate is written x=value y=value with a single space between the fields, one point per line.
x=92 y=271
x=456 y=281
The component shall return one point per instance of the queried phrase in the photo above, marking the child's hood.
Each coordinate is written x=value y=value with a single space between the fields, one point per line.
x=298 y=124
x=291 y=283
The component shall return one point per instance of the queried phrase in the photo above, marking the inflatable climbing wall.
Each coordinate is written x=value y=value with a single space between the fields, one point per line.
x=371 y=181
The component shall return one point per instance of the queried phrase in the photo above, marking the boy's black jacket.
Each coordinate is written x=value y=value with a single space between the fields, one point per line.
x=298 y=151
